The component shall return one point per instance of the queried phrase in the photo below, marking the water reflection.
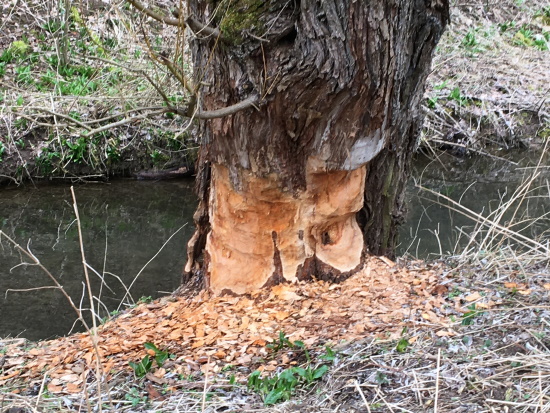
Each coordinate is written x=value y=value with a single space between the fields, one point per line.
x=124 y=225
x=480 y=184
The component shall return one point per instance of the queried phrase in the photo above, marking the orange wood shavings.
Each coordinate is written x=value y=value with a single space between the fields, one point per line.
x=214 y=331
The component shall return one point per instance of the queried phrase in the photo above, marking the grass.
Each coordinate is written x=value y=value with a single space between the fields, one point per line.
x=57 y=94
x=486 y=59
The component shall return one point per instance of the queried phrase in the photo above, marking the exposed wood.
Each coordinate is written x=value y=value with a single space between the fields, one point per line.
x=260 y=232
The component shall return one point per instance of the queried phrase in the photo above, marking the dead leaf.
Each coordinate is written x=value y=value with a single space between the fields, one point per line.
x=387 y=261
x=52 y=388
x=285 y=292
x=281 y=315
x=73 y=388
x=153 y=393
x=440 y=290
x=473 y=297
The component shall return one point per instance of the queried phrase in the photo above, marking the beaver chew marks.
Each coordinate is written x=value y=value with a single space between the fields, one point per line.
x=263 y=235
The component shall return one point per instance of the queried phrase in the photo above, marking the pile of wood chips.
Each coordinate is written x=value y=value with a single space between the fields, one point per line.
x=209 y=332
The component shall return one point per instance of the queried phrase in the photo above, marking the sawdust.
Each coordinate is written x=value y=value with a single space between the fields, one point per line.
x=209 y=332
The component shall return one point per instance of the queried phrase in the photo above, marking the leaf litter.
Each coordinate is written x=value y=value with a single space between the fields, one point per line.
x=228 y=330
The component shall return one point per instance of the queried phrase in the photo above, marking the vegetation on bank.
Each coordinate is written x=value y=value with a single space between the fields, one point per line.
x=79 y=88
x=78 y=98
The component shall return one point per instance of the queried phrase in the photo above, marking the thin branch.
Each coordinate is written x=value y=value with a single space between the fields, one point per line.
x=198 y=28
x=229 y=110
x=49 y=274
x=126 y=113
x=128 y=120
x=165 y=19
x=184 y=111
x=48 y=125
x=60 y=115
x=177 y=73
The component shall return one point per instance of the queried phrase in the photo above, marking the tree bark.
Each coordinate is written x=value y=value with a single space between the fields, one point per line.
x=299 y=186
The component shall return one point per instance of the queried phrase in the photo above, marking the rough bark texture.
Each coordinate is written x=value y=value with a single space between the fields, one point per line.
x=340 y=84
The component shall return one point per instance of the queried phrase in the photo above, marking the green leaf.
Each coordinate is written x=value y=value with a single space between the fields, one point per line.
x=254 y=379
x=300 y=371
x=330 y=354
x=381 y=378
x=143 y=367
x=402 y=345
x=151 y=346
x=320 y=372
x=288 y=376
x=161 y=358
x=274 y=396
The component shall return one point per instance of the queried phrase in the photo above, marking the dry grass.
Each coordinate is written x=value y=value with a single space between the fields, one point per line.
x=107 y=92
x=501 y=87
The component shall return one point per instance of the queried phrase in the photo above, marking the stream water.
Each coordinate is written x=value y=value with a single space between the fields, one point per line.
x=126 y=223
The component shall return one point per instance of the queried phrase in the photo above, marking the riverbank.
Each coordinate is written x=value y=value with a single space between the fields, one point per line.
x=99 y=116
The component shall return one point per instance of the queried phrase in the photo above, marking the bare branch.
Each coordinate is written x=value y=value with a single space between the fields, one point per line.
x=198 y=28
x=229 y=110
x=61 y=115
x=128 y=120
x=177 y=73
x=165 y=19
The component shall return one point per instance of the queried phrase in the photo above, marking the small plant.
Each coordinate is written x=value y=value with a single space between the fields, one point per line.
x=280 y=343
x=23 y=74
x=77 y=150
x=19 y=48
x=470 y=40
x=2 y=150
x=525 y=37
x=282 y=387
x=52 y=26
x=158 y=157
x=6 y=56
x=135 y=397
x=402 y=345
x=381 y=377
x=468 y=317
x=154 y=354
x=330 y=354
x=145 y=300
x=143 y=367
x=503 y=27
x=431 y=102
x=456 y=95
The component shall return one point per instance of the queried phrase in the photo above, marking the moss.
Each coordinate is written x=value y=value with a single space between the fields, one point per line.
x=19 y=48
x=240 y=15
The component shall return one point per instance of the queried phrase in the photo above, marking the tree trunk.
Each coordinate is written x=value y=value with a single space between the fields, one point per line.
x=298 y=186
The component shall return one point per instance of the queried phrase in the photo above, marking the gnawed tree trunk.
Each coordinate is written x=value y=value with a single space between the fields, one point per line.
x=300 y=185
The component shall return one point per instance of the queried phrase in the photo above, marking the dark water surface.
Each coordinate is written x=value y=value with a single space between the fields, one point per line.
x=482 y=185
x=125 y=223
